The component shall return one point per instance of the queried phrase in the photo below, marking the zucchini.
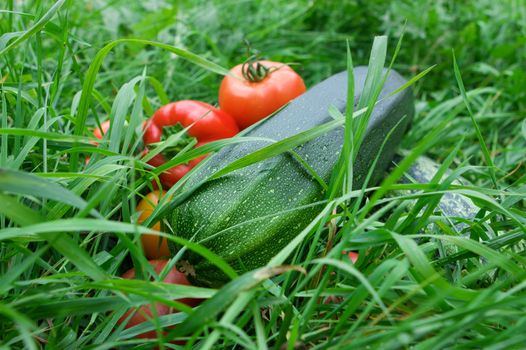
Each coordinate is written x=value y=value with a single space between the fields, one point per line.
x=240 y=216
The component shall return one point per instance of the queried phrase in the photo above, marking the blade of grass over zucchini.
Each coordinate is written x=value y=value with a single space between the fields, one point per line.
x=343 y=169
x=397 y=173
x=421 y=203
x=372 y=88
x=277 y=148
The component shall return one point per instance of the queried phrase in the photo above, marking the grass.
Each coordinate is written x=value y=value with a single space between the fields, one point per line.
x=424 y=279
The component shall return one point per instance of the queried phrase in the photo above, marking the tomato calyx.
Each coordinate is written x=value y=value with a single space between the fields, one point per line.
x=254 y=71
x=169 y=130
x=174 y=149
x=248 y=96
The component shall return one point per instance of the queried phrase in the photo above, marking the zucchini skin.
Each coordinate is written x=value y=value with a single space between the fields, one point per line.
x=241 y=217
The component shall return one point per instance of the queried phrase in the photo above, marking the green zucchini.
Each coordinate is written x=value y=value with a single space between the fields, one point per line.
x=240 y=216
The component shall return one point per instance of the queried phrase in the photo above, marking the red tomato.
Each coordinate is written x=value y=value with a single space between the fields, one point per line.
x=205 y=122
x=150 y=243
x=260 y=91
x=352 y=255
x=171 y=176
x=144 y=314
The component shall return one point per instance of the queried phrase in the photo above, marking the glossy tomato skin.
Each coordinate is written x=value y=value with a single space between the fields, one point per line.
x=150 y=243
x=209 y=123
x=249 y=102
x=205 y=122
x=171 y=176
x=145 y=313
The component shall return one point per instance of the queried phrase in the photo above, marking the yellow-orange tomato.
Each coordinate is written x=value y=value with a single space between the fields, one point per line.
x=257 y=90
x=152 y=248
x=100 y=132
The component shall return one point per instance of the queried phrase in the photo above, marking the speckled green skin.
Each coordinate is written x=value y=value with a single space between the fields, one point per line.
x=249 y=215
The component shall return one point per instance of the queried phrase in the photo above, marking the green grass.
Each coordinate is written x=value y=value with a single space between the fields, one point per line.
x=424 y=280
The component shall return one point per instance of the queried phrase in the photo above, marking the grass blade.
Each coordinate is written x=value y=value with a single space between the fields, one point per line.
x=485 y=151
x=35 y=28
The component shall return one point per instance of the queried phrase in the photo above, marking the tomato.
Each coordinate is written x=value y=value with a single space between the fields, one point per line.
x=171 y=176
x=257 y=90
x=352 y=255
x=204 y=122
x=100 y=132
x=145 y=313
x=150 y=243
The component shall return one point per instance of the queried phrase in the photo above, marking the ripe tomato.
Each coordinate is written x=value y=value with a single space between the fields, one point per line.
x=100 y=132
x=171 y=176
x=145 y=313
x=150 y=243
x=352 y=255
x=264 y=87
x=204 y=122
